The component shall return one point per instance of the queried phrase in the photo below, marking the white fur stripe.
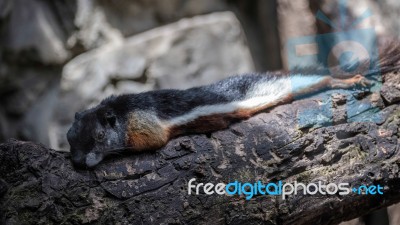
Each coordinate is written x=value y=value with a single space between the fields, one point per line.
x=259 y=95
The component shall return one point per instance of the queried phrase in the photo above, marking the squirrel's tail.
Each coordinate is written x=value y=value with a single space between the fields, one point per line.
x=387 y=61
x=389 y=58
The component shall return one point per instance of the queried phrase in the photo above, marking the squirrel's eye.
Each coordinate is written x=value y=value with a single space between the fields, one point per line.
x=100 y=135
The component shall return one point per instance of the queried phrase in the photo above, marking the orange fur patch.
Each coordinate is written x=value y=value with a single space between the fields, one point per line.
x=145 y=133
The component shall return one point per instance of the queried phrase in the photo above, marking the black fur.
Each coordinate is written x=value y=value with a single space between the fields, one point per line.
x=173 y=103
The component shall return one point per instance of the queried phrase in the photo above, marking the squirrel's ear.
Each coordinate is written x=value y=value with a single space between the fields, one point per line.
x=111 y=118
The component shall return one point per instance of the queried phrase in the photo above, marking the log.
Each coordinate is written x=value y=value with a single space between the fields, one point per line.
x=289 y=143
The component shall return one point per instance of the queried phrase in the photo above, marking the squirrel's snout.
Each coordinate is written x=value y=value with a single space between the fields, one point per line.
x=78 y=161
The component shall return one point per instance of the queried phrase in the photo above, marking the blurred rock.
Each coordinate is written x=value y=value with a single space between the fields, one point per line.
x=93 y=29
x=387 y=17
x=33 y=33
x=102 y=21
x=190 y=52
x=132 y=17
x=173 y=56
x=50 y=32
x=202 y=50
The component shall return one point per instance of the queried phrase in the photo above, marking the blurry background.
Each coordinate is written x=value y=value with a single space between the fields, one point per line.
x=62 y=56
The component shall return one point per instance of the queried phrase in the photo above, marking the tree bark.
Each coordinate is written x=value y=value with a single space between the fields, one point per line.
x=39 y=186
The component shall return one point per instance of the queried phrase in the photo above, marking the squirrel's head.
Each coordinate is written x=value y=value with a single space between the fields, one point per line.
x=94 y=134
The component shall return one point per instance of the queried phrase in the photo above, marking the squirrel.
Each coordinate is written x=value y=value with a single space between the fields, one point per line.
x=147 y=121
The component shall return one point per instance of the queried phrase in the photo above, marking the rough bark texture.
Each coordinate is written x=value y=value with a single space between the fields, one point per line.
x=39 y=185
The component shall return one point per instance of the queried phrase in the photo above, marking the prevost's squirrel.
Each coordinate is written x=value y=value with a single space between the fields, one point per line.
x=147 y=121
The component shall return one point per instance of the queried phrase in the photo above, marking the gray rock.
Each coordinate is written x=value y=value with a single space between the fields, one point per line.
x=391 y=94
x=212 y=49
x=170 y=53
x=132 y=17
x=93 y=28
x=33 y=33
x=387 y=19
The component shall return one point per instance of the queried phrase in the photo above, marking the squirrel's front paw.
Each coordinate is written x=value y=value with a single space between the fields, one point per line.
x=361 y=80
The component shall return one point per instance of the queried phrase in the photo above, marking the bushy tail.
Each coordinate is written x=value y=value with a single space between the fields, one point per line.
x=387 y=61
x=389 y=58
